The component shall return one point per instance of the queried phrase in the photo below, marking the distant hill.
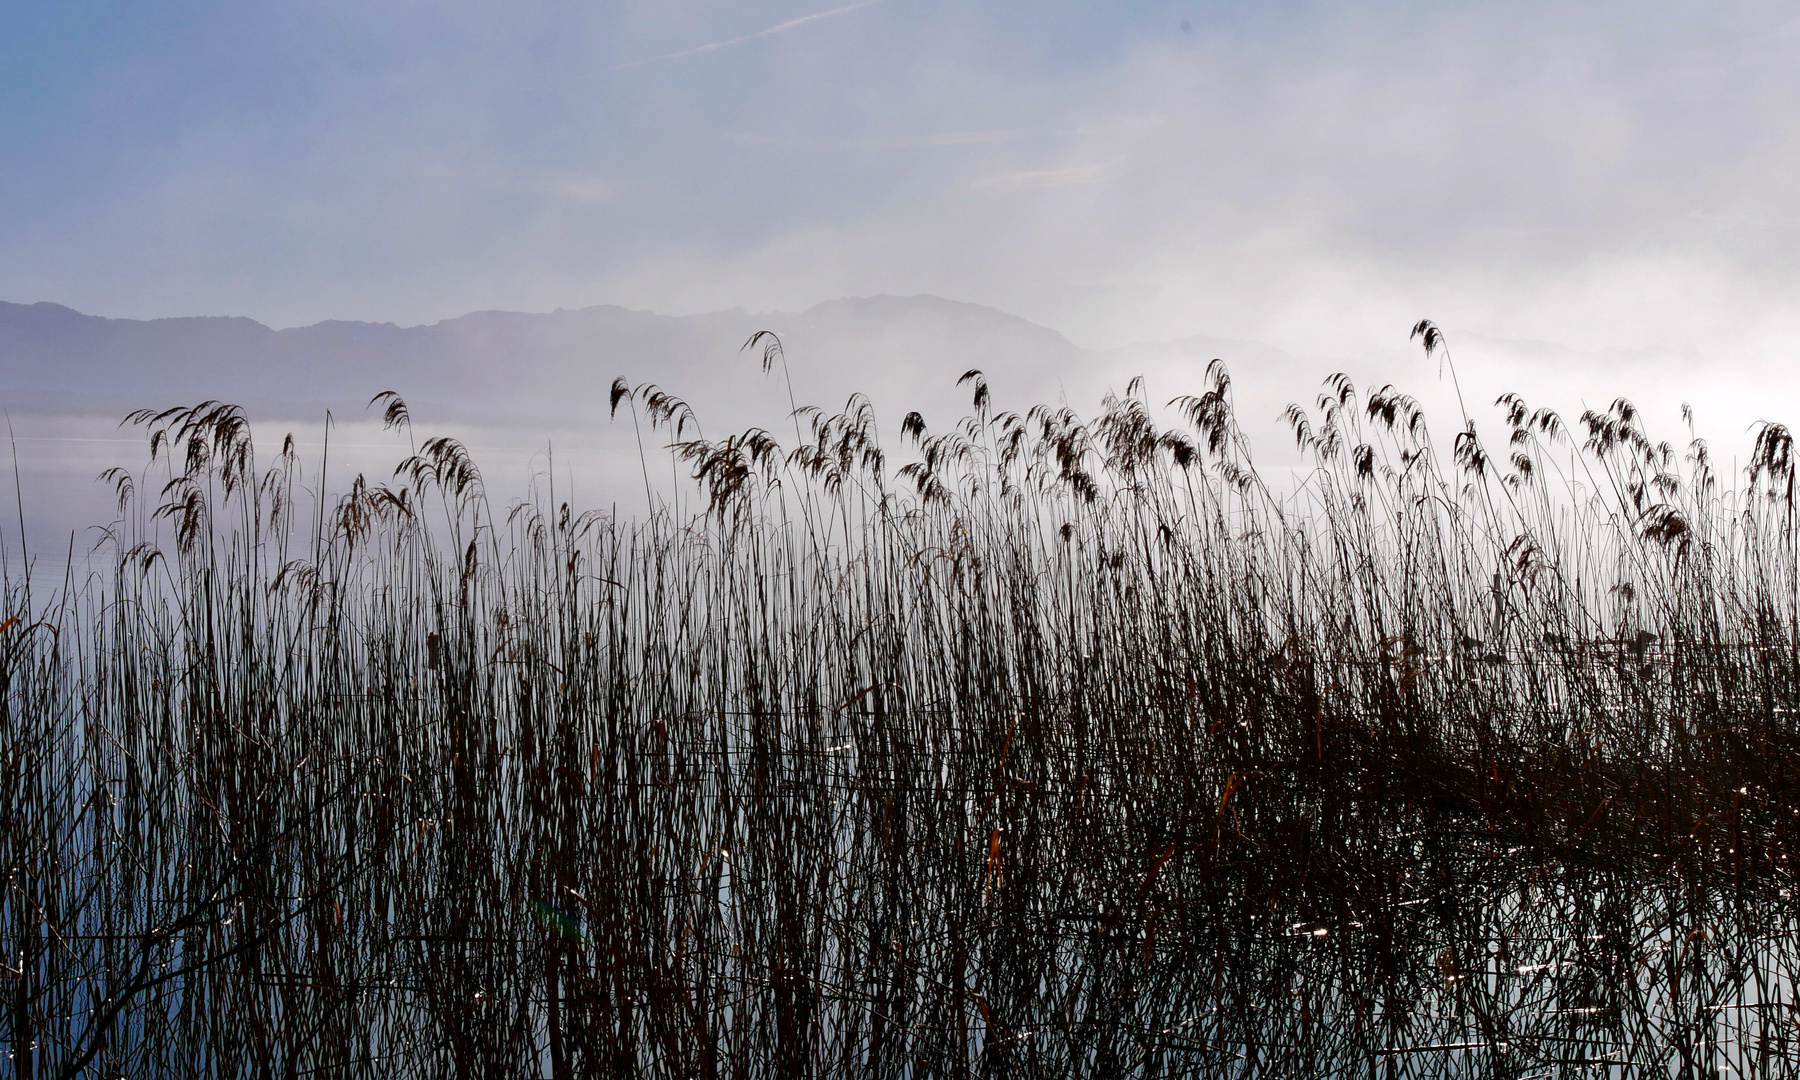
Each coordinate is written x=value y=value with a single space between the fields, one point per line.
x=905 y=352
x=517 y=387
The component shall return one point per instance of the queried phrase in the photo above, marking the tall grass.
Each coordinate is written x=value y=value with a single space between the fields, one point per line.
x=1072 y=746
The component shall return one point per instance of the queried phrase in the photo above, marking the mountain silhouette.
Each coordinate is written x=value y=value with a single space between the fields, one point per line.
x=904 y=352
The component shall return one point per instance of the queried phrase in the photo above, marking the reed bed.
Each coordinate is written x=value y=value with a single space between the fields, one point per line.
x=1073 y=746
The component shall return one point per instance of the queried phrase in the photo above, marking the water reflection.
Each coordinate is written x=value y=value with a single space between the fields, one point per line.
x=744 y=895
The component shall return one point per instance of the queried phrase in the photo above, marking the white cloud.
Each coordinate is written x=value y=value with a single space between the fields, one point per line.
x=590 y=190
x=1040 y=178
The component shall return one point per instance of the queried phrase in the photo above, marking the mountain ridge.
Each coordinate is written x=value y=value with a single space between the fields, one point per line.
x=498 y=362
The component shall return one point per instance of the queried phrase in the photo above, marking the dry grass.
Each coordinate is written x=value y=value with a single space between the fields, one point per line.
x=1071 y=748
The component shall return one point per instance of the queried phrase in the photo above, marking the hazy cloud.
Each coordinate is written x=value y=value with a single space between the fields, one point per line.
x=892 y=142
x=592 y=190
x=1040 y=178
x=1607 y=176
x=778 y=28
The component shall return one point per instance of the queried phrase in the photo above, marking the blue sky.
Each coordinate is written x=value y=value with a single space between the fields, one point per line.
x=1314 y=175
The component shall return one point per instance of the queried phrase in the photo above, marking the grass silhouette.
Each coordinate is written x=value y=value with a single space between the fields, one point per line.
x=1069 y=747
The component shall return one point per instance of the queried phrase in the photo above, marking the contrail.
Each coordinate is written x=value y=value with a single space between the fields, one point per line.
x=778 y=28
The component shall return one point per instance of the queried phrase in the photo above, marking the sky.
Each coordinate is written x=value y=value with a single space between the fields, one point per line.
x=1608 y=177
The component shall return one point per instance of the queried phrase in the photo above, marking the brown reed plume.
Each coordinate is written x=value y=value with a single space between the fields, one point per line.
x=1071 y=746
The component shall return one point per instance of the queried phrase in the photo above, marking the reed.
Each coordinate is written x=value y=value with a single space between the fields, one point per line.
x=1070 y=747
